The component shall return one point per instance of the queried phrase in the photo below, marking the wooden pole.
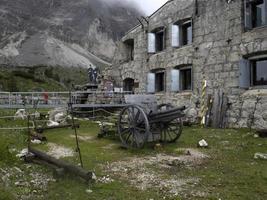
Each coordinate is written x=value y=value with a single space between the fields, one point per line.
x=75 y=130
x=76 y=170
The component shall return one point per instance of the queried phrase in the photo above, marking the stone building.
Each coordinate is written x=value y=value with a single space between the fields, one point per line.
x=186 y=43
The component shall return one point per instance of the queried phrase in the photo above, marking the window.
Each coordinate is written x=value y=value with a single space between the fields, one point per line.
x=160 y=79
x=156 y=81
x=156 y=40
x=160 y=41
x=259 y=72
x=181 y=79
x=129 y=44
x=182 y=33
x=128 y=85
x=185 y=76
x=186 y=33
x=255 y=13
x=253 y=72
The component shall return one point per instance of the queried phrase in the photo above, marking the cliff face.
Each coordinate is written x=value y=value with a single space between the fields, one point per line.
x=62 y=32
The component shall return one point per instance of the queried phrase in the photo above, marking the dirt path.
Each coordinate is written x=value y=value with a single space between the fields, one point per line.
x=155 y=171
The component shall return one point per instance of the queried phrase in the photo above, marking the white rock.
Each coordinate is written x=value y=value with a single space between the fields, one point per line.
x=37 y=115
x=261 y=156
x=89 y=191
x=20 y=114
x=203 y=143
x=94 y=176
x=52 y=123
x=23 y=153
x=59 y=117
x=36 y=141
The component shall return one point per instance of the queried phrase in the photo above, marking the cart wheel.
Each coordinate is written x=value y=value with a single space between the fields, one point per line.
x=133 y=127
x=171 y=131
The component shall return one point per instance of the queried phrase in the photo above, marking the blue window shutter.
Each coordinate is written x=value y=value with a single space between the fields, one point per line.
x=151 y=42
x=265 y=11
x=175 y=36
x=244 y=73
x=247 y=15
x=175 y=77
x=190 y=33
x=151 y=78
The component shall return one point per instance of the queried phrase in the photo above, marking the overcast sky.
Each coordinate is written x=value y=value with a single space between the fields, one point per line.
x=149 y=6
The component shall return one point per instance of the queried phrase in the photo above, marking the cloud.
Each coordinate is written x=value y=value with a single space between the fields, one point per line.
x=149 y=6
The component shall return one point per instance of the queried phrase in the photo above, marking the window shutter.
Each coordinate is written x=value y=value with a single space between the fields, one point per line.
x=151 y=42
x=265 y=11
x=190 y=33
x=175 y=36
x=175 y=77
x=151 y=82
x=247 y=15
x=244 y=73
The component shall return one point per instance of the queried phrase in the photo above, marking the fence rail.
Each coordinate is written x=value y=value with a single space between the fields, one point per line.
x=61 y=99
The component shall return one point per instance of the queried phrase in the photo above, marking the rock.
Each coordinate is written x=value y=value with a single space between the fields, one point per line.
x=261 y=156
x=37 y=115
x=20 y=114
x=60 y=117
x=188 y=153
x=94 y=177
x=35 y=141
x=18 y=169
x=51 y=123
x=89 y=191
x=23 y=153
x=203 y=143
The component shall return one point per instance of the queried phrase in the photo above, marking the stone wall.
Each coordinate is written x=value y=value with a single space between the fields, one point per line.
x=219 y=43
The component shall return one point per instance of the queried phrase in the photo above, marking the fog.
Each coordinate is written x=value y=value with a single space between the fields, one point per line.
x=147 y=6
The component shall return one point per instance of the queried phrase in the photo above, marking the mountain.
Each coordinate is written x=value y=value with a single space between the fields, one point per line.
x=65 y=33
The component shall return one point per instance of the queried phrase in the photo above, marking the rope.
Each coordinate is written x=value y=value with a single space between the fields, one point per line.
x=12 y=117
x=17 y=128
x=87 y=112
x=203 y=104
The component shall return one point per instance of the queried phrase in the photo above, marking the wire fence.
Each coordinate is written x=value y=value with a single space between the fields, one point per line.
x=60 y=99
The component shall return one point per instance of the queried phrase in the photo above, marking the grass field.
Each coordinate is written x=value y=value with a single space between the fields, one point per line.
x=225 y=170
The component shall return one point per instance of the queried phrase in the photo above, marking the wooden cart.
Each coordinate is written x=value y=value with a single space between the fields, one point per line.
x=142 y=121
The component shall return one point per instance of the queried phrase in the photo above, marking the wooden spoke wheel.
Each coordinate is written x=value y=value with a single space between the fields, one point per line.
x=133 y=127
x=171 y=131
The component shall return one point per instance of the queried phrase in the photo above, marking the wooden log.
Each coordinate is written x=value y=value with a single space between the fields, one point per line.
x=86 y=175
x=262 y=133
x=42 y=129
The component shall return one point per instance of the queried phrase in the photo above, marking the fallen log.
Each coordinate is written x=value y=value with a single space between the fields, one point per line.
x=42 y=129
x=86 y=175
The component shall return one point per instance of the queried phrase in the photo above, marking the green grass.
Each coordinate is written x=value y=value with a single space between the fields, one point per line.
x=230 y=173
x=40 y=78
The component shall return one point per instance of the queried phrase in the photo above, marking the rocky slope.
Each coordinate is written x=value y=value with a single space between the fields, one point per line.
x=62 y=32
